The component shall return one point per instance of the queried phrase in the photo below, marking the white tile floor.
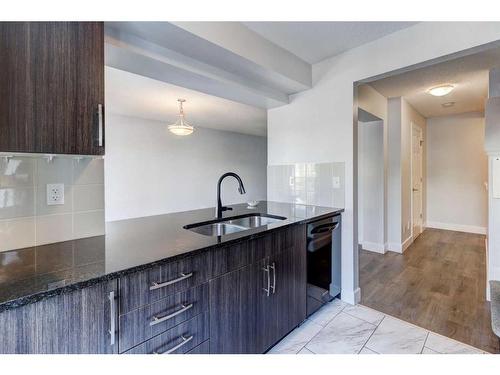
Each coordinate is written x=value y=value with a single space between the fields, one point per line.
x=340 y=328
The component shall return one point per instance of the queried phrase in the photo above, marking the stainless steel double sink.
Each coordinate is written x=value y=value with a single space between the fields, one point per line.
x=235 y=224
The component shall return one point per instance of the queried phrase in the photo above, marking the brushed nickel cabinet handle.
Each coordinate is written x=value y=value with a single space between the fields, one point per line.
x=158 y=320
x=273 y=267
x=112 y=313
x=100 y=124
x=158 y=285
x=268 y=290
x=185 y=340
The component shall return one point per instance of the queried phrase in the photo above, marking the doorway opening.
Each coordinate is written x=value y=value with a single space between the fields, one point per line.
x=422 y=190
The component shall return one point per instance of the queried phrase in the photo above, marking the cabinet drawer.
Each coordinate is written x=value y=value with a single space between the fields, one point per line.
x=178 y=340
x=145 y=287
x=203 y=348
x=145 y=322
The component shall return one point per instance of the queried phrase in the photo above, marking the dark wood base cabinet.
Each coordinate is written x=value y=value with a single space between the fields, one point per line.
x=240 y=298
x=79 y=322
x=252 y=308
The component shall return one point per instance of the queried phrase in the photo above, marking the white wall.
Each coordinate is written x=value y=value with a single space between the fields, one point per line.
x=371 y=185
x=372 y=101
x=394 y=174
x=410 y=116
x=401 y=115
x=457 y=168
x=492 y=147
x=317 y=126
x=149 y=171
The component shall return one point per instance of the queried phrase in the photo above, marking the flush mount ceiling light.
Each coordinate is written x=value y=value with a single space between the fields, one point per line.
x=441 y=90
x=181 y=127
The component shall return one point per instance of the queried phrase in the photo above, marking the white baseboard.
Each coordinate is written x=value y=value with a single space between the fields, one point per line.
x=373 y=246
x=399 y=247
x=456 y=227
x=406 y=244
x=351 y=296
x=394 y=247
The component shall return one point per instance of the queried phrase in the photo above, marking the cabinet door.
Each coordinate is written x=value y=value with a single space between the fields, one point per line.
x=236 y=311
x=17 y=330
x=53 y=73
x=286 y=307
x=79 y=322
x=290 y=290
x=16 y=116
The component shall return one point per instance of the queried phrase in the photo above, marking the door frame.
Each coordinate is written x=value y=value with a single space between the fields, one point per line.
x=421 y=131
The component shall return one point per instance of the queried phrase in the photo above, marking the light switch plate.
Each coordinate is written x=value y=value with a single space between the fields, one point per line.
x=336 y=182
x=55 y=194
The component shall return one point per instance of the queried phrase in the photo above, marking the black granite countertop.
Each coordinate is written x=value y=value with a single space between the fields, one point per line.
x=31 y=274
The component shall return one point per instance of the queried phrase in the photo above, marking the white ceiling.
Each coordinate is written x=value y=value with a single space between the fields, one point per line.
x=468 y=74
x=315 y=41
x=137 y=96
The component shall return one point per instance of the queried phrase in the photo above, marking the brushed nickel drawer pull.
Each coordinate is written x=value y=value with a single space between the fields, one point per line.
x=185 y=340
x=183 y=276
x=158 y=320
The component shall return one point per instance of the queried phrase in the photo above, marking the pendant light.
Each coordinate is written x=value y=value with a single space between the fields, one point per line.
x=181 y=127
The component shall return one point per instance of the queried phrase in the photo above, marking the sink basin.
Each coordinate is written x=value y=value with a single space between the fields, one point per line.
x=235 y=224
x=254 y=221
x=217 y=229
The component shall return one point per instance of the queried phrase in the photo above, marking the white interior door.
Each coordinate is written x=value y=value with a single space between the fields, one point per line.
x=417 y=185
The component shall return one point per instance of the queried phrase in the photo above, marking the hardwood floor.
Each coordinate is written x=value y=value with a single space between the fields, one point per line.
x=438 y=283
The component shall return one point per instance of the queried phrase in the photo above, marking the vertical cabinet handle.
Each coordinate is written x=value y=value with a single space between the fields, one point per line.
x=100 y=125
x=112 y=312
x=268 y=290
x=273 y=267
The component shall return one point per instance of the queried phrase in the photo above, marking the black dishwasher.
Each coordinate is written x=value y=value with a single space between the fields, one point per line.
x=323 y=262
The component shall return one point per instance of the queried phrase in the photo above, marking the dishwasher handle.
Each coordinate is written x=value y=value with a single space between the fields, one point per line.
x=323 y=228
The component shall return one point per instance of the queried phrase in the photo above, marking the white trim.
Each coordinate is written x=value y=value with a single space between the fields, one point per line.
x=421 y=139
x=399 y=247
x=351 y=296
x=373 y=246
x=394 y=247
x=456 y=227
x=406 y=244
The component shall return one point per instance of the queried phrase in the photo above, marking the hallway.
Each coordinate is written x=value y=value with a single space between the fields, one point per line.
x=438 y=284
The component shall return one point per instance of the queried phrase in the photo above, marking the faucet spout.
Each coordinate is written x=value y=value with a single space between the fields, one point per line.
x=241 y=188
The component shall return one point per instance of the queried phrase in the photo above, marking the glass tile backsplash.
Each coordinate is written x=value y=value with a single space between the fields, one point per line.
x=320 y=184
x=25 y=217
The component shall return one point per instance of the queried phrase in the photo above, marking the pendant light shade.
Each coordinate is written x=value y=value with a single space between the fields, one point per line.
x=181 y=126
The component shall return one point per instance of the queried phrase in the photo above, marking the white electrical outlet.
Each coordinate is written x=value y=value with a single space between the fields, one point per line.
x=55 y=194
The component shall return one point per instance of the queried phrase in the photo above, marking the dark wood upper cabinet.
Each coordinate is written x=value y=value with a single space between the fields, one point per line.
x=52 y=87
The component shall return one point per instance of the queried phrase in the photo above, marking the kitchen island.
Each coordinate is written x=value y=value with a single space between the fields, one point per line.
x=151 y=286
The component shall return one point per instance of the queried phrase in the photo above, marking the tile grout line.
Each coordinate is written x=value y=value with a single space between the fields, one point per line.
x=425 y=341
x=366 y=342
x=322 y=328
